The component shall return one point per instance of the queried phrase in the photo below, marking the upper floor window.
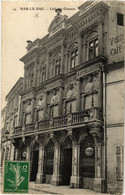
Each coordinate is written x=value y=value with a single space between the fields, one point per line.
x=73 y=55
x=57 y=66
x=120 y=19
x=74 y=58
x=57 y=63
x=43 y=71
x=93 y=48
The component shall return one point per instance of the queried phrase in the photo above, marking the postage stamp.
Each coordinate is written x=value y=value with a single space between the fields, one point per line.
x=16 y=177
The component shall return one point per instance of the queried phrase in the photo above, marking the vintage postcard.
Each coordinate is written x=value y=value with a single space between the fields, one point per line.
x=62 y=114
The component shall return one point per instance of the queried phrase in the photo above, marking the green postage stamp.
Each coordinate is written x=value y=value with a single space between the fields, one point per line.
x=16 y=177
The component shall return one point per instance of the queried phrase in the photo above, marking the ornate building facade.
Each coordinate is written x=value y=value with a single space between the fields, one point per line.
x=70 y=121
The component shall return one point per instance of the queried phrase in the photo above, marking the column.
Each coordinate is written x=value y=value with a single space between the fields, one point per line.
x=35 y=72
x=45 y=106
x=62 y=59
x=75 y=179
x=95 y=131
x=100 y=90
x=98 y=168
x=40 y=176
x=78 y=100
x=60 y=101
x=98 y=160
x=83 y=102
x=20 y=114
x=47 y=72
x=11 y=152
x=32 y=111
x=56 y=177
x=28 y=153
x=79 y=49
x=36 y=116
x=24 y=79
x=100 y=37
x=16 y=153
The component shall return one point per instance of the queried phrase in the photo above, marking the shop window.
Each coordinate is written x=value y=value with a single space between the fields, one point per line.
x=93 y=48
x=119 y=162
x=120 y=19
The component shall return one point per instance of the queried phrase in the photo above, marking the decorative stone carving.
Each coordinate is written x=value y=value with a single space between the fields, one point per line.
x=89 y=85
x=41 y=102
x=55 y=97
x=29 y=107
x=71 y=92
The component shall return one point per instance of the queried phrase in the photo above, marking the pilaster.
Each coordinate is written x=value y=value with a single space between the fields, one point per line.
x=100 y=37
x=100 y=90
x=62 y=59
x=79 y=49
x=32 y=111
x=75 y=179
x=47 y=72
x=45 y=106
x=56 y=177
x=40 y=176
x=60 y=101
x=78 y=101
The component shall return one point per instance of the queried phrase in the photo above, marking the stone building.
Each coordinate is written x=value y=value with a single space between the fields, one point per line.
x=11 y=118
x=71 y=110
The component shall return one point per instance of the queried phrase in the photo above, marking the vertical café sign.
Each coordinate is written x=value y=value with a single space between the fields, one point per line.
x=116 y=43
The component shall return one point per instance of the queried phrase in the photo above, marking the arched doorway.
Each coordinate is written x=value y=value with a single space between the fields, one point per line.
x=87 y=161
x=34 y=162
x=66 y=161
x=48 y=161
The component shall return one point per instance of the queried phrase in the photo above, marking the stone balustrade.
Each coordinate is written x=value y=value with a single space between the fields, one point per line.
x=75 y=118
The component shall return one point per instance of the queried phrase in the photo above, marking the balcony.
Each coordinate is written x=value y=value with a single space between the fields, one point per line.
x=71 y=119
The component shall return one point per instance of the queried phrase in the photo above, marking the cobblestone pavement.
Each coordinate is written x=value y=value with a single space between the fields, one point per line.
x=60 y=190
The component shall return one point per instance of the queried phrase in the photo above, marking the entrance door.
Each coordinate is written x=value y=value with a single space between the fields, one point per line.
x=34 y=164
x=67 y=166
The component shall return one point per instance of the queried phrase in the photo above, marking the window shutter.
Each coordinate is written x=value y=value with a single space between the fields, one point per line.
x=119 y=162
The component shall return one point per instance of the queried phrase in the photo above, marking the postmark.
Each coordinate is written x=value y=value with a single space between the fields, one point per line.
x=16 y=177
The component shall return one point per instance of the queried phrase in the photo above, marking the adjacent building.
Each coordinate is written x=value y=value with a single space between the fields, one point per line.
x=70 y=122
x=10 y=120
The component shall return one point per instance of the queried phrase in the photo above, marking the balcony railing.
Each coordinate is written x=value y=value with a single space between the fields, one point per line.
x=63 y=121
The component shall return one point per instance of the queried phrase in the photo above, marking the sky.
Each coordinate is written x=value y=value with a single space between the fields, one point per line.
x=20 y=25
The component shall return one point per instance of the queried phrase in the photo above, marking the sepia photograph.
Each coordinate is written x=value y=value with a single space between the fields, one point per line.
x=62 y=97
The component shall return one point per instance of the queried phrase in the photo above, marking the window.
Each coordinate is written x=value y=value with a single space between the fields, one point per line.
x=44 y=74
x=93 y=48
x=119 y=162
x=28 y=118
x=40 y=115
x=71 y=106
x=16 y=121
x=120 y=19
x=74 y=58
x=54 y=111
x=57 y=66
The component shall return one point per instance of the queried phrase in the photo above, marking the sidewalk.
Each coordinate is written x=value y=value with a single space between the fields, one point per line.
x=60 y=190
